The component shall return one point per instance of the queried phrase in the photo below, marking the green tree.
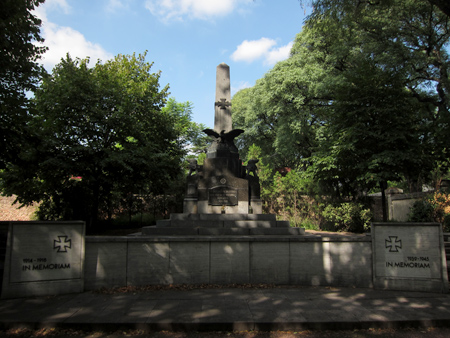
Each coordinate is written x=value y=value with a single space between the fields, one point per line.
x=19 y=72
x=363 y=98
x=390 y=92
x=443 y=5
x=190 y=133
x=103 y=124
x=249 y=114
x=362 y=85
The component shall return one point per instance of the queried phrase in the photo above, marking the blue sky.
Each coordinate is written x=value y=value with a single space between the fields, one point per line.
x=186 y=39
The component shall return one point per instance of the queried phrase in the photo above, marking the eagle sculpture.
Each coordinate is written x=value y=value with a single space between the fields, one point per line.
x=223 y=141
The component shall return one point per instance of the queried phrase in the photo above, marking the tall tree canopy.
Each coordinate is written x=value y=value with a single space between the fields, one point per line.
x=444 y=5
x=190 y=133
x=364 y=97
x=19 y=71
x=103 y=124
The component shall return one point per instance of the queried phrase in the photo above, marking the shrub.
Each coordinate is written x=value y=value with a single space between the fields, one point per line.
x=347 y=216
x=434 y=208
x=421 y=211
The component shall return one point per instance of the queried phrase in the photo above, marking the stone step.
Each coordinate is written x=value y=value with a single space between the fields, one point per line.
x=183 y=231
x=155 y=231
x=222 y=217
x=173 y=223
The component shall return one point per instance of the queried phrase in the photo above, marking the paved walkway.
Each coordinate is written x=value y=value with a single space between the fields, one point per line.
x=283 y=308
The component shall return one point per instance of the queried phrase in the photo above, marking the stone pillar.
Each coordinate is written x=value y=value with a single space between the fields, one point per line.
x=222 y=116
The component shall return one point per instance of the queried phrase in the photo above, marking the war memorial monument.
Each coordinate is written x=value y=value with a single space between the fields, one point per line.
x=221 y=237
x=222 y=196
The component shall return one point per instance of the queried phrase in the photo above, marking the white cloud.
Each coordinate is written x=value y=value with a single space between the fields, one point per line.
x=278 y=54
x=249 y=51
x=59 y=5
x=62 y=40
x=116 y=5
x=168 y=10
x=240 y=85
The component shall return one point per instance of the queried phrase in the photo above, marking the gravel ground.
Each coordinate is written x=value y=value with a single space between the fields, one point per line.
x=371 y=333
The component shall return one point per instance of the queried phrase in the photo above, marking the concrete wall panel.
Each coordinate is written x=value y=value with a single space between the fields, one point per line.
x=269 y=262
x=189 y=262
x=229 y=262
x=148 y=263
x=105 y=265
x=308 y=265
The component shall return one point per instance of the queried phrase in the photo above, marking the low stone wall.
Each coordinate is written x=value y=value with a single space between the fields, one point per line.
x=400 y=205
x=333 y=261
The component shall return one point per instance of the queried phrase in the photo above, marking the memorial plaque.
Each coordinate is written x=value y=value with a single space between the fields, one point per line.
x=41 y=253
x=223 y=196
x=50 y=253
x=408 y=256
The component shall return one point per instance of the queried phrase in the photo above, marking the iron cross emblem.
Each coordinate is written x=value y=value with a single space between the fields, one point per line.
x=393 y=243
x=223 y=104
x=62 y=244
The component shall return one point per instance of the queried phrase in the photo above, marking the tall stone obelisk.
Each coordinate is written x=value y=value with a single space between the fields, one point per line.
x=222 y=115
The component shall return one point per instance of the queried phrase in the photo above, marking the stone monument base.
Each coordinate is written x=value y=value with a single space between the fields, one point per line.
x=184 y=224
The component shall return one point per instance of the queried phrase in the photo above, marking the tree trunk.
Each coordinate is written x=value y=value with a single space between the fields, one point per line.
x=383 y=186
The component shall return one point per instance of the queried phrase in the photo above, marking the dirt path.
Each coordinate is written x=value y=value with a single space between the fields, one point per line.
x=11 y=212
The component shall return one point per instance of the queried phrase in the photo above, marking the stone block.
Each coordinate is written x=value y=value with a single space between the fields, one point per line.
x=351 y=263
x=220 y=217
x=189 y=262
x=162 y=223
x=236 y=217
x=331 y=263
x=256 y=206
x=310 y=263
x=249 y=224
x=148 y=229
x=223 y=231
x=205 y=208
x=190 y=205
x=242 y=207
x=229 y=262
x=297 y=230
x=283 y=224
x=261 y=217
x=209 y=224
x=275 y=231
x=188 y=223
x=44 y=258
x=184 y=216
x=148 y=263
x=169 y=231
x=105 y=264
x=409 y=256
x=269 y=262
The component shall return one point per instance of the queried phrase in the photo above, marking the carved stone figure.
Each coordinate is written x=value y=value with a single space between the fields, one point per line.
x=251 y=168
x=223 y=141
x=192 y=166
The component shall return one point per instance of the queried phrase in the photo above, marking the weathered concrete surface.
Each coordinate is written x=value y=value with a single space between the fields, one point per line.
x=282 y=308
x=228 y=259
